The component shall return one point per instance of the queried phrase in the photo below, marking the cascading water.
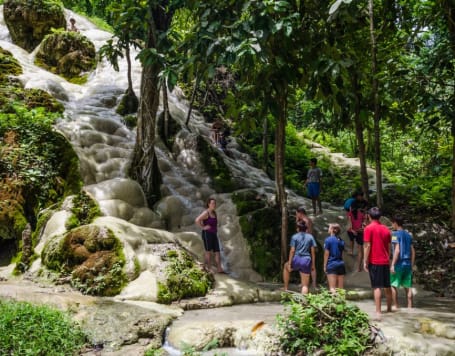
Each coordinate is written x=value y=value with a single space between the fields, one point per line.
x=104 y=146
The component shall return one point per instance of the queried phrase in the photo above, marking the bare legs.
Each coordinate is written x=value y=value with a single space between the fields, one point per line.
x=304 y=279
x=208 y=260
x=377 y=300
x=286 y=275
x=360 y=258
x=408 y=292
x=218 y=262
x=335 y=281
x=317 y=201
x=313 y=278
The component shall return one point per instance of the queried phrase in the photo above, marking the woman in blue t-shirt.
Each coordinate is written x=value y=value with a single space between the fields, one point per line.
x=301 y=257
x=333 y=258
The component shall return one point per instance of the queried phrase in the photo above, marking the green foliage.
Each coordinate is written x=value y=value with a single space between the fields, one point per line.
x=325 y=323
x=37 y=165
x=261 y=229
x=8 y=65
x=107 y=281
x=213 y=162
x=28 y=329
x=84 y=210
x=130 y=121
x=184 y=279
x=189 y=350
x=155 y=352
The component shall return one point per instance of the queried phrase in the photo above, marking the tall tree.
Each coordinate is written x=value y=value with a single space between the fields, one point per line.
x=269 y=42
x=144 y=165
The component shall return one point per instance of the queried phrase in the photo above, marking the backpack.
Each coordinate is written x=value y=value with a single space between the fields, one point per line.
x=347 y=203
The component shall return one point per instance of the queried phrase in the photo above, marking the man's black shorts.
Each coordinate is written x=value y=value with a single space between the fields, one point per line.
x=210 y=241
x=379 y=276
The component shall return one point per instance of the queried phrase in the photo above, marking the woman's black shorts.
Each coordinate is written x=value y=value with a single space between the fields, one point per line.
x=210 y=240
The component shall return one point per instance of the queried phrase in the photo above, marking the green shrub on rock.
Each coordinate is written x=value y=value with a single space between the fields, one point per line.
x=184 y=279
x=216 y=168
x=323 y=323
x=84 y=210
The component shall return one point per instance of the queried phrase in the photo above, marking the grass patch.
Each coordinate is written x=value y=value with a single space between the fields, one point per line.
x=27 y=329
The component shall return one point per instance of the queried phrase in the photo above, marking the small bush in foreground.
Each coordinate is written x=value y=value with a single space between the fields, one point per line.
x=27 y=329
x=323 y=322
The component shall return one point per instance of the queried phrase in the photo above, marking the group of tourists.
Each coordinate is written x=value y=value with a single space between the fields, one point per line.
x=387 y=256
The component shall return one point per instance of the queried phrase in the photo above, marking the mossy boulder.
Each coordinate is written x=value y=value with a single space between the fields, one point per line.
x=66 y=53
x=213 y=163
x=29 y=21
x=92 y=257
x=261 y=229
x=8 y=65
x=247 y=201
x=183 y=278
x=12 y=90
x=128 y=104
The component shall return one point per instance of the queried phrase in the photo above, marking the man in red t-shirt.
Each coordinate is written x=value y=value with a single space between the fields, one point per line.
x=377 y=239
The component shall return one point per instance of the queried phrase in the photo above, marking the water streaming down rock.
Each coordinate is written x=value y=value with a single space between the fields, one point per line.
x=104 y=146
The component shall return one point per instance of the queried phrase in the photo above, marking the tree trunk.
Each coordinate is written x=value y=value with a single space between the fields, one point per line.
x=165 y=112
x=453 y=164
x=449 y=9
x=360 y=139
x=265 y=144
x=376 y=115
x=280 y=140
x=193 y=97
x=128 y=61
x=144 y=164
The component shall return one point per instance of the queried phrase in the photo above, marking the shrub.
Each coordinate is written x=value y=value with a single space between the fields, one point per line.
x=325 y=323
x=184 y=279
x=27 y=329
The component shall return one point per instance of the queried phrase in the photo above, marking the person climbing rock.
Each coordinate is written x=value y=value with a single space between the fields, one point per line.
x=217 y=126
x=313 y=184
x=73 y=27
x=208 y=221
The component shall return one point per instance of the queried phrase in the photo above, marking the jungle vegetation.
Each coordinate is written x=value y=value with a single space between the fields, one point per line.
x=373 y=79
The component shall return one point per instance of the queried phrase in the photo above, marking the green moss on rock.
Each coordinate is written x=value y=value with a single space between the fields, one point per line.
x=28 y=21
x=84 y=210
x=128 y=104
x=67 y=53
x=184 y=279
x=216 y=168
x=8 y=64
x=93 y=258
x=247 y=201
x=263 y=237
